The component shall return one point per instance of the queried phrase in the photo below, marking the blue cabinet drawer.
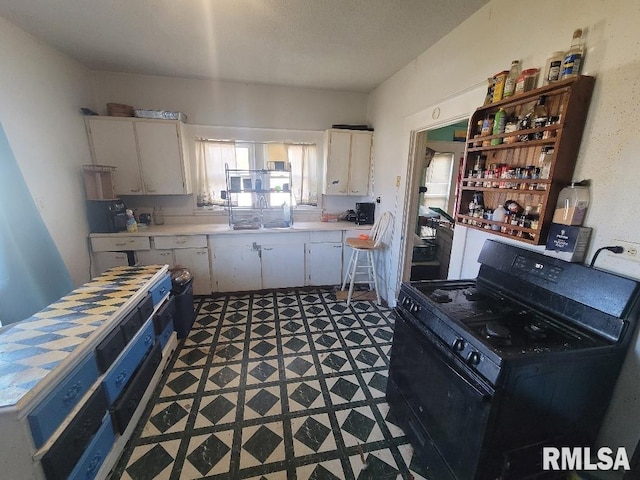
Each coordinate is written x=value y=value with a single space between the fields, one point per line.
x=95 y=454
x=164 y=315
x=48 y=415
x=63 y=455
x=160 y=289
x=127 y=404
x=145 y=307
x=116 y=379
x=164 y=337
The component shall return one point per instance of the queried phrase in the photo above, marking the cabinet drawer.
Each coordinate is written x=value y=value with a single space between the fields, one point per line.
x=180 y=241
x=164 y=316
x=109 y=349
x=127 y=404
x=146 y=308
x=95 y=454
x=118 y=244
x=48 y=415
x=62 y=457
x=164 y=337
x=160 y=289
x=130 y=325
x=117 y=378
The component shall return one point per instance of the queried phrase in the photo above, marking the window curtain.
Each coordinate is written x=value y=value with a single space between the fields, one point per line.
x=211 y=157
x=302 y=159
x=32 y=273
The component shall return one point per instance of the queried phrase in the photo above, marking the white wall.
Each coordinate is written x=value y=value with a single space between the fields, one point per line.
x=41 y=93
x=485 y=44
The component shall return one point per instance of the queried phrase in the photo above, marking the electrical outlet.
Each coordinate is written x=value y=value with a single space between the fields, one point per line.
x=631 y=250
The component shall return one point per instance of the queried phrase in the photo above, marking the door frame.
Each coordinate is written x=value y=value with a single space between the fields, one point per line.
x=452 y=109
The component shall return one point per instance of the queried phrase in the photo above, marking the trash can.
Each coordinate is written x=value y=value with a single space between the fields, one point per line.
x=182 y=292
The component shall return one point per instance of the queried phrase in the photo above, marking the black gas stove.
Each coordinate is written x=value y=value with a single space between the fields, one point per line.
x=485 y=372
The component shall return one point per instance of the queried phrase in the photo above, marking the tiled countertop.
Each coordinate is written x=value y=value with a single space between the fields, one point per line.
x=33 y=348
x=224 y=229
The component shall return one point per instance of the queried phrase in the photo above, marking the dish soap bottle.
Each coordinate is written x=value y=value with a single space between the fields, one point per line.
x=132 y=226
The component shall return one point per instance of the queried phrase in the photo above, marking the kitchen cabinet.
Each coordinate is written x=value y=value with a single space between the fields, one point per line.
x=282 y=266
x=529 y=165
x=150 y=156
x=106 y=260
x=235 y=266
x=188 y=251
x=347 y=167
x=60 y=413
x=323 y=259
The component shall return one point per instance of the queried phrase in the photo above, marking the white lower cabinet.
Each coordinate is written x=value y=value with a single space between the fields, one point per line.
x=282 y=266
x=323 y=263
x=196 y=260
x=235 y=267
x=155 y=257
x=106 y=260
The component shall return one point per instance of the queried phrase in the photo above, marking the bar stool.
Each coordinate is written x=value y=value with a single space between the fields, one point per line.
x=366 y=246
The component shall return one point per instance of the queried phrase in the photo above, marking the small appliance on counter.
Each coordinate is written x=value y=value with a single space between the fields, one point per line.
x=106 y=216
x=365 y=213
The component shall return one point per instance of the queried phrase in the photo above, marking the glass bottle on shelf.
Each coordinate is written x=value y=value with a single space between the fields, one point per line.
x=573 y=58
x=512 y=77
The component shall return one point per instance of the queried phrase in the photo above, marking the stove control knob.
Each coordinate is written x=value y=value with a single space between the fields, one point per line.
x=473 y=358
x=415 y=308
x=458 y=344
x=406 y=301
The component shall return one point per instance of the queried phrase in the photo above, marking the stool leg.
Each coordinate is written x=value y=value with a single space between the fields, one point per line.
x=348 y=270
x=375 y=274
x=353 y=275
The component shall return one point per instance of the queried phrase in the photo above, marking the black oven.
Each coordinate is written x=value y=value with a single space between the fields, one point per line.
x=483 y=375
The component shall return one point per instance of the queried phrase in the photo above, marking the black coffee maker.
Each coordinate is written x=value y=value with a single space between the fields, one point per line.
x=365 y=213
x=106 y=216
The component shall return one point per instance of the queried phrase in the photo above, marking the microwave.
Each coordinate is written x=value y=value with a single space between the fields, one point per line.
x=106 y=216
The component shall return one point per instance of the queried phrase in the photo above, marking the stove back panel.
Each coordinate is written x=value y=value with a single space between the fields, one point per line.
x=596 y=300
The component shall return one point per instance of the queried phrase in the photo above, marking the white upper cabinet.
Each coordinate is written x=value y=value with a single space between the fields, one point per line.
x=149 y=155
x=348 y=162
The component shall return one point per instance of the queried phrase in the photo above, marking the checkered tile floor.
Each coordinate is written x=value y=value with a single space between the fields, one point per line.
x=275 y=386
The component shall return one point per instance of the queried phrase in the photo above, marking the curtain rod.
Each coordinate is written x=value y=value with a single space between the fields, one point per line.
x=213 y=140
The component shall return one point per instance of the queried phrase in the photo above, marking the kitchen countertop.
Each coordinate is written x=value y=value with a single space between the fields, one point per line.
x=223 y=228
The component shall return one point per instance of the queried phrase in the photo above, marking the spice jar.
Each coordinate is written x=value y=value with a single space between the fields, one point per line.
x=527 y=80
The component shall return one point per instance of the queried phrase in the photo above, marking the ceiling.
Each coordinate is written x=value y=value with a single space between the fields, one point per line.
x=351 y=45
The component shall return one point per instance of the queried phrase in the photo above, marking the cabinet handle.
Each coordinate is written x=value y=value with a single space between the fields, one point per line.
x=267 y=248
x=93 y=465
x=148 y=340
x=121 y=244
x=165 y=254
x=181 y=241
x=72 y=394
x=201 y=253
x=342 y=191
x=151 y=190
x=121 y=378
x=355 y=191
x=135 y=190
x=337 y=246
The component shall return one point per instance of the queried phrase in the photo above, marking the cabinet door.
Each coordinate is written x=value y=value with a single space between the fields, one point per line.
x=196 y=260
x=161 y=158
x=155 y=257
x=323 y=263
x=282 y=266
x=360 y=164
x=107 y=260
x=236 y=268
x=337 y=168
x=113 y=143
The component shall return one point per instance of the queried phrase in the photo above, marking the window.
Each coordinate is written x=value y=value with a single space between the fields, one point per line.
x=212 y=155
x=437 y=179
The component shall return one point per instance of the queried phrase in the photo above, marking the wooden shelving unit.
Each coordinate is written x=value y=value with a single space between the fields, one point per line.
x=569 y=100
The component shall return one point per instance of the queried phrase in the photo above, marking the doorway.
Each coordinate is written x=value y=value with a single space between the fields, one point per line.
x=434 y=201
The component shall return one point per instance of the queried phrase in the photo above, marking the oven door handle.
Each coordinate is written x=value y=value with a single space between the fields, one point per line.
x=483 y=391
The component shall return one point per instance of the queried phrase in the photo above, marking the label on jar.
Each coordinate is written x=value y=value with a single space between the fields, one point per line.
x=555 y=68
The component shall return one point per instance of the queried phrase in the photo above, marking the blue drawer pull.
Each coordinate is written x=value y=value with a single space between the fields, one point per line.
x=163 y=290
x=95 y=463
x=72 y=394
x=148 y=340
x=121 y=378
